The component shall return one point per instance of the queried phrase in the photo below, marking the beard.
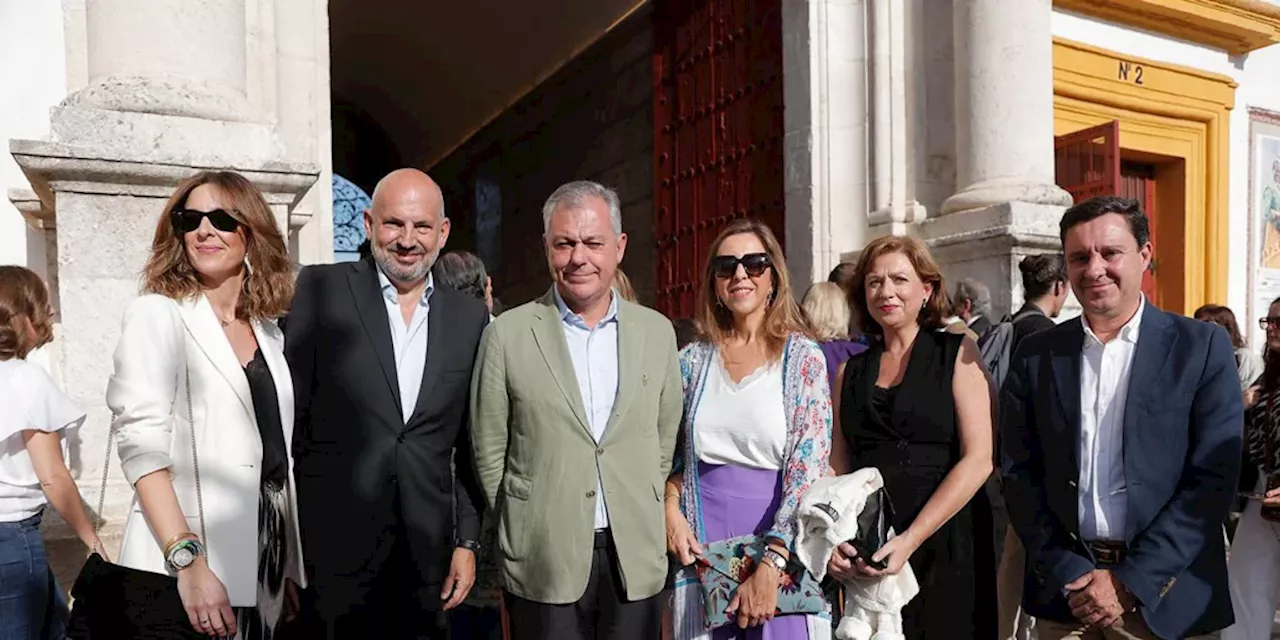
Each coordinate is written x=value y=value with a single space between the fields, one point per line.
x=398 y=273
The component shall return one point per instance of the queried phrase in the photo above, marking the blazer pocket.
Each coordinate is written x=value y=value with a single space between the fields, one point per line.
x=519 y=488
x=657 y=492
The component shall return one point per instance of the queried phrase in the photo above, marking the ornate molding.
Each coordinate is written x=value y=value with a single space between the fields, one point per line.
x=1236 y=26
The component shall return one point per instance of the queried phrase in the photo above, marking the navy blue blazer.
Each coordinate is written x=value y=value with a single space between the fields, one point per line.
x=1183 y=424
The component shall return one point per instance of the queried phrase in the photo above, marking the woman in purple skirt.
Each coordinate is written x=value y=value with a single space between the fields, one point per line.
x=756 y=435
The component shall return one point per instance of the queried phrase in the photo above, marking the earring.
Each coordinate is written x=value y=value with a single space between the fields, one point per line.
x=248 y=268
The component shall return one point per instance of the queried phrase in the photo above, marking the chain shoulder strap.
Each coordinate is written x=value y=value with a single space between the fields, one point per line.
x=195 y=463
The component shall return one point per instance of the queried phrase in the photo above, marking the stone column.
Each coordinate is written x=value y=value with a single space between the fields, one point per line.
x=1004 y=104
x=165 y=57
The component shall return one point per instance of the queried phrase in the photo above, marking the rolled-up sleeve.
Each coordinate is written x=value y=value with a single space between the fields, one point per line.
x=144 y=383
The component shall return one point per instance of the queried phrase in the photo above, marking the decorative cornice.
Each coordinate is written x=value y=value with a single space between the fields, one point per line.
x=1236 y=26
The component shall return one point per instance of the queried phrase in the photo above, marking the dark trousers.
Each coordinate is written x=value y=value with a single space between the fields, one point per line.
x=603 y=612
x=388 y=600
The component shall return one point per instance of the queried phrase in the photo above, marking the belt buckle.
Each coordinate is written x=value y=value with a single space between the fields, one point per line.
x=1107 y=554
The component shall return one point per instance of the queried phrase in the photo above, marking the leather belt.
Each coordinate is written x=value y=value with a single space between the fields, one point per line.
x=1106 y=552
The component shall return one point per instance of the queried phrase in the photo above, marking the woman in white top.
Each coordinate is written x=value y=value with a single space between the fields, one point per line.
x=756 y=434
x=201 y=359
x=35 y=418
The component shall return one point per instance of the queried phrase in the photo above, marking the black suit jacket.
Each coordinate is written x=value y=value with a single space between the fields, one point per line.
x=981 y=325
x=1181 y=431
x=365 y=477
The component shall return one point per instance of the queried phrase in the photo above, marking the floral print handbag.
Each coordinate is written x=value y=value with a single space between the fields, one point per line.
x=729 y=563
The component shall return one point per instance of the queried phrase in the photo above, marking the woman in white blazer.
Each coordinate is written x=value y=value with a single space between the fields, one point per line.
x=201 y=360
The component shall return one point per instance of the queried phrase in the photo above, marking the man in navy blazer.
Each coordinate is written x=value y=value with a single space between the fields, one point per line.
x=1121 y=436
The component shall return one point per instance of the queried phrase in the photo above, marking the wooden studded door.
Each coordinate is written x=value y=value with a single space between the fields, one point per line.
x=717 y=69
x=1087 y=162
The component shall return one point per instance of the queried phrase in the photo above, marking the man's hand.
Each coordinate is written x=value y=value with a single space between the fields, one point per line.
x=462 y=576
x=1099 y=599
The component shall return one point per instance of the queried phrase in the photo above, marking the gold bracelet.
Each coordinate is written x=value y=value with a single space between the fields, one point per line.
x=174 y=541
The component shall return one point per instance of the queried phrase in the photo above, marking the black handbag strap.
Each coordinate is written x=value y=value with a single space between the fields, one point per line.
x=195 y=463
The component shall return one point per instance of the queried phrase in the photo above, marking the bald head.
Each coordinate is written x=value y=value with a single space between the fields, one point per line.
x=406 y=226
x=408 y=185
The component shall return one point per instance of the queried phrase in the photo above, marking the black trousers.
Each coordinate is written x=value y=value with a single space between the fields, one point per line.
x=603 y=612
x=388 y=600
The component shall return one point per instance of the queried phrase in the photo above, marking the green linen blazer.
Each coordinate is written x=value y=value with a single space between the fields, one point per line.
x=538 y=461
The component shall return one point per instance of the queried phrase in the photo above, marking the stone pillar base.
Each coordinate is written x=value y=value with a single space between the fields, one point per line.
x=101 y=181
x=988 y=243
x=994 y=192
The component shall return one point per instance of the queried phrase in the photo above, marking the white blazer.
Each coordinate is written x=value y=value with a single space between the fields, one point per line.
x=162 y=341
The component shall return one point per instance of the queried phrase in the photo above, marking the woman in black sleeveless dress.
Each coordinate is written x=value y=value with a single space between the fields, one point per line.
x=917 y=406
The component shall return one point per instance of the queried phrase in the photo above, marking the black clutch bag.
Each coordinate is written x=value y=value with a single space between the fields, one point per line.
x=111 y=601
x=874 y=525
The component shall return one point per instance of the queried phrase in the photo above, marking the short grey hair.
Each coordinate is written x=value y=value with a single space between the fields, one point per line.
x=574 y=194
x=974 y=292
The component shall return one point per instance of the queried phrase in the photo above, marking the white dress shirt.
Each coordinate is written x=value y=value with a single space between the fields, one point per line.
x=409 y=341
x=1104 y=392
x=594 y=352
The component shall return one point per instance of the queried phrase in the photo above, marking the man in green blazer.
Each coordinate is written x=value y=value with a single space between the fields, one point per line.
x=575 y=403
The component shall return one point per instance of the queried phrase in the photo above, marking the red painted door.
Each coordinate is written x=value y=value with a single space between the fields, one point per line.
x=1087 y=162
x=717 y=69
x=1138 y=181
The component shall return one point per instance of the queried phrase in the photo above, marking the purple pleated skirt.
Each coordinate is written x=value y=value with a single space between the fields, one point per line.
x=737 y=501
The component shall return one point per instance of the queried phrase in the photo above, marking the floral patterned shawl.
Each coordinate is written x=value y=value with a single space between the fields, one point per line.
x=807 y=399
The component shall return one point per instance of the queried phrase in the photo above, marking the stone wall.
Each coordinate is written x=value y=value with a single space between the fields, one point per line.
x=592 y=119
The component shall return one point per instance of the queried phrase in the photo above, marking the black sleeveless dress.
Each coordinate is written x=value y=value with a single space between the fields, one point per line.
x=909 y=433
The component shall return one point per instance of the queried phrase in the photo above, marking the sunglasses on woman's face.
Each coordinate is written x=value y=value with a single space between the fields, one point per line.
x=754 y=264
x=188 y=220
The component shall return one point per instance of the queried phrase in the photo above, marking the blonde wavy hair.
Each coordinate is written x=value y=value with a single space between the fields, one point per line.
x=827 y=309
x=268 y=285
x=783 y=316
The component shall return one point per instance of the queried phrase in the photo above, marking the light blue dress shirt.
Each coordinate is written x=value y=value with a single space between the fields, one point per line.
x=594 y=352
x=409 y=342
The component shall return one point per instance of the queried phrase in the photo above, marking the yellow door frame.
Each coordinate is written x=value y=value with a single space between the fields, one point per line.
x=1164 y=110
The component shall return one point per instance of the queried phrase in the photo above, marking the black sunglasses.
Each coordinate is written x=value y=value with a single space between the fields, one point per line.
x=1268 y=322
x=753 y=263
x=188 y=220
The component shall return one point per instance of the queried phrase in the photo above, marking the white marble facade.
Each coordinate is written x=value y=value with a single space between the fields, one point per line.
x=114 y=102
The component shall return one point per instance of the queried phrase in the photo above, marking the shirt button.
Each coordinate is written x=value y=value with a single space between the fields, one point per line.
x=400 y=438
x=600 y=451
x=591 y=494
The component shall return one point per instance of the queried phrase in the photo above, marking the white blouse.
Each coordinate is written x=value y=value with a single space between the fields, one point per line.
x=32 y=402
x=743 y=424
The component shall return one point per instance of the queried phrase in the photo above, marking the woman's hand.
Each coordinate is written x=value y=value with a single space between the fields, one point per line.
x=1271 y=498
x=841 y=565
x=292 y=602
x=1251 y=396
x=205 y=600
x=756 y=601
x=681 y=542
x=898 y=550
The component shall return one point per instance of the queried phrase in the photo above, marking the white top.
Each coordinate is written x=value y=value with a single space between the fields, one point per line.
x=594 y=352
x=32 y=402
x=1104 y=392
x=408 y=341
x=743 y=424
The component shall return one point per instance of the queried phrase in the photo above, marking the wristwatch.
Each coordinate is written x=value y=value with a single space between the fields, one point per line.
x=183 y=554
x=471 y=545
x=774 y=558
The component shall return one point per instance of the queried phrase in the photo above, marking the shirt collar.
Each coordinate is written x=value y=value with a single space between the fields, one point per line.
x=1128 y=333
x=389 y=289
x=567 y=315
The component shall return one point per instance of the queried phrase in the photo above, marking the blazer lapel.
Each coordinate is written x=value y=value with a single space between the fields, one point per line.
x=1156 y=339
x=372 y=309
x=203 y=326
x=1066 y=378
x=630 y=352
x=435 y=354
x=549 y=335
